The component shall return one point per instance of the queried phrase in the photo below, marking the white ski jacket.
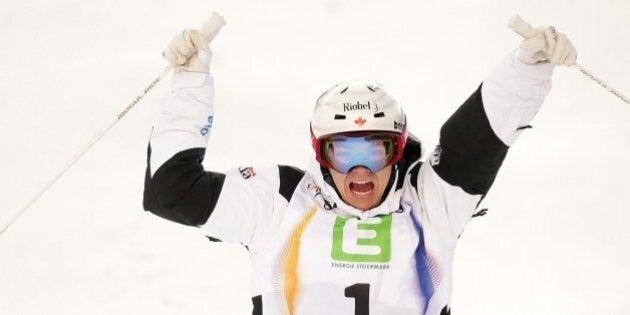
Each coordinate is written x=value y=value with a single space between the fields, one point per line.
x=311 y=252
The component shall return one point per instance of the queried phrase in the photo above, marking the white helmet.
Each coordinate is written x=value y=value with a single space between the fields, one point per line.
x=357 y=107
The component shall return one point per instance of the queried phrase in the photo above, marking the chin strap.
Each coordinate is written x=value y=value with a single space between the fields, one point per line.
x=328 y=179
x=390 y=184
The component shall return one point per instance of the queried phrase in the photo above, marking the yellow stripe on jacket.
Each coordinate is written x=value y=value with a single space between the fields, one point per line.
x=290 y=259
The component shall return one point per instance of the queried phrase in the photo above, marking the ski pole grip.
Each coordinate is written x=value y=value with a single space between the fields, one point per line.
x=521 y=27
x=212 y=26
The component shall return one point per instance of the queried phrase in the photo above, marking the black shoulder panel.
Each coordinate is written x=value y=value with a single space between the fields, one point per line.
x=181 y=190
x=289 y=178
x=471 y=153
x=257 y=301
x=414 y=175
x=411 y=153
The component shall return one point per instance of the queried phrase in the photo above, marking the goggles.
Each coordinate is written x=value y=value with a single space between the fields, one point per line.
x=373 y=150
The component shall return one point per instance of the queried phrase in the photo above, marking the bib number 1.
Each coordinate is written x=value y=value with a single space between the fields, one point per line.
x=361 y=294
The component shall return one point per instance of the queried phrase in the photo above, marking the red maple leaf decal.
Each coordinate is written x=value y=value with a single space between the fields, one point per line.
x=360 y=121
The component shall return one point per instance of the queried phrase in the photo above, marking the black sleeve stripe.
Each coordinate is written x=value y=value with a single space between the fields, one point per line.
x=471 y=153
x=181 y=190
x=289 y=178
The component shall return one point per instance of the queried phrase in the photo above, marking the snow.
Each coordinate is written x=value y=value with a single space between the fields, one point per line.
x=554 y=240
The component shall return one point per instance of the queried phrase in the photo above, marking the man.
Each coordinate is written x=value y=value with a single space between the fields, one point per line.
x=368 y=228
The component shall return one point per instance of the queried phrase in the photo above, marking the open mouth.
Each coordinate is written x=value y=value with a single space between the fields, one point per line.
x=361 y=188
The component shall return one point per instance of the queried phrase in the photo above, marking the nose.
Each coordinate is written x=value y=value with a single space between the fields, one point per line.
x=359 y=170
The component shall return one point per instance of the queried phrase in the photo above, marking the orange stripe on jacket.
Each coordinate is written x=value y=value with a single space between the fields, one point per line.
x=290 y=259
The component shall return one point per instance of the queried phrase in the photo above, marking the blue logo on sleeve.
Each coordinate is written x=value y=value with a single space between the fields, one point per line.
x=206 y=128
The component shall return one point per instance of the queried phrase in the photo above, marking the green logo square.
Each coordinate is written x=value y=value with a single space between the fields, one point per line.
x=362 y=241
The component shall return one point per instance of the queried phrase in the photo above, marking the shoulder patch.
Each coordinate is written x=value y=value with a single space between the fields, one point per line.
x=247 y=172
x=289 y=178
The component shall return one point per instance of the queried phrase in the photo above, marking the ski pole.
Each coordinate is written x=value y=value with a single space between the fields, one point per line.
x=601 y=82
x=209 y=29
x=524 y=29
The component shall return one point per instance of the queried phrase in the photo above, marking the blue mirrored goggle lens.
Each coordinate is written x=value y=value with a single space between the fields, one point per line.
x=344 y=152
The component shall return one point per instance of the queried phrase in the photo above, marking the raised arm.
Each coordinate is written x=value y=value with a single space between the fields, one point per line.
x=475 y=139
x=240 y=205
x=177 y=187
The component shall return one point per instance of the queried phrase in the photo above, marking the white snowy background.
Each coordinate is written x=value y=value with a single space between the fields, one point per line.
x=556 y=238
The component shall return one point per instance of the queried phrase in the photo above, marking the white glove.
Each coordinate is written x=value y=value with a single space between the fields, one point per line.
x=184 y=52
x=189 y=51
x=545 y=44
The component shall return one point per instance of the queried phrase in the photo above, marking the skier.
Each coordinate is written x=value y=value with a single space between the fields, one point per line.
x=368 y=228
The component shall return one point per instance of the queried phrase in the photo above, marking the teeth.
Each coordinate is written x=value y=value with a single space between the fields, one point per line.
x=362 y=182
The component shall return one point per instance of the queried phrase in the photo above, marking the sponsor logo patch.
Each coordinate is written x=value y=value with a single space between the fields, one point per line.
x=437 y=154
x=347 y=107
x=317 y=195
x=206 y=128
x=362 y=241
x=247 y=172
